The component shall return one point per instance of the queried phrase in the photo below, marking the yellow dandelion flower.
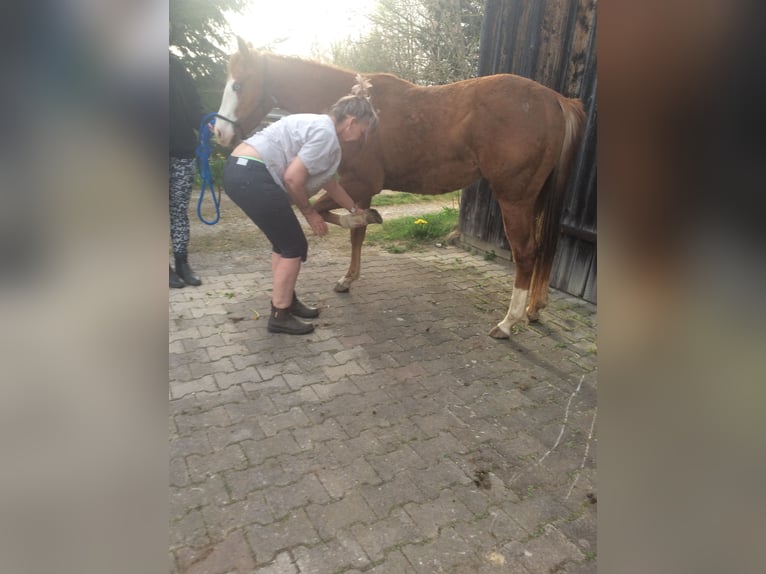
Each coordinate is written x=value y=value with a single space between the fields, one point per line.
x=421 y=221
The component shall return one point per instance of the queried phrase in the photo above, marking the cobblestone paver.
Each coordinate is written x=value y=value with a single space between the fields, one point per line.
x=396 y=438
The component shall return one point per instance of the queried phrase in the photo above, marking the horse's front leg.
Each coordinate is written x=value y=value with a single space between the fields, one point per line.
x=357 y=224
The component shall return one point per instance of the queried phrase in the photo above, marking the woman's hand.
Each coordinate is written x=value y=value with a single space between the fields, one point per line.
x=317 y=223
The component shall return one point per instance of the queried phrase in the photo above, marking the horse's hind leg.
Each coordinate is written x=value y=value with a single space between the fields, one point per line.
x=535 y=305
x=518 y=221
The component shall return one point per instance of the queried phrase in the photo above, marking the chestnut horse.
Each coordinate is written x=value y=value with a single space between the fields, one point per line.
x=517 y=134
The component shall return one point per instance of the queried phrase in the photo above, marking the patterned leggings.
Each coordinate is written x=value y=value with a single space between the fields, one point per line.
x=181 y=184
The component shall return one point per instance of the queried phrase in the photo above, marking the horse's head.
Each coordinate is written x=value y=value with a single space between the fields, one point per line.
x=245 y=100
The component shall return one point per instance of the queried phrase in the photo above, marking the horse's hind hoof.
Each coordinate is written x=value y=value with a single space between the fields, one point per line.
x=340 y=288
x=498 y=333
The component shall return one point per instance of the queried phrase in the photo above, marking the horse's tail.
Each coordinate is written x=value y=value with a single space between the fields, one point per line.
x=550 y=203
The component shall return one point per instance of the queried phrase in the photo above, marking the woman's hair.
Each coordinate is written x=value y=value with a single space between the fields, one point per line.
x=357 y=104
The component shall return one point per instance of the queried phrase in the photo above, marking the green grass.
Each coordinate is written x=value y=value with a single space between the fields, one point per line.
x=402 y=198
x=403 y=233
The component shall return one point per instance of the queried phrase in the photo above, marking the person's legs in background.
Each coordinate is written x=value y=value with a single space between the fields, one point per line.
x=180 y=186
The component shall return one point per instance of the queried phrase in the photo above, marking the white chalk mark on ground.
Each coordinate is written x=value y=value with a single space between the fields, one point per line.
x=584 y=456
x=558 y=439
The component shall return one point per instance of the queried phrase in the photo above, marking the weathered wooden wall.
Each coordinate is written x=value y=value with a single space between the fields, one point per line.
x=552 y=42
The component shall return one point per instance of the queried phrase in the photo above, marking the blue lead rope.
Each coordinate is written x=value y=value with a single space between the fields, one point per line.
x=204 y=150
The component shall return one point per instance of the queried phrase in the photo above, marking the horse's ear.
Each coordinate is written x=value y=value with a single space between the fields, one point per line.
x=243 y=47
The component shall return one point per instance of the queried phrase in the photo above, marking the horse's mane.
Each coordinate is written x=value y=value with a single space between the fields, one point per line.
x=311 y=63
x=321 y=66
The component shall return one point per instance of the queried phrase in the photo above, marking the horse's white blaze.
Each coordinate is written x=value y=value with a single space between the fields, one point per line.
x=224 y=131
x=516 y=310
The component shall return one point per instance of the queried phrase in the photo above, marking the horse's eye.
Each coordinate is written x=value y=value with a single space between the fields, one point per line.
x=236 y=86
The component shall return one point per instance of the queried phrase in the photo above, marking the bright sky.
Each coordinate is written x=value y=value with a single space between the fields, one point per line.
x=304 y=23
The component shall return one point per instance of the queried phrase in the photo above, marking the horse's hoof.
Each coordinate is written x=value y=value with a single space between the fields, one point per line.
x=340 y=288
x=360 y=218
x=533 y=317
x=373 y=216
x=498 y=333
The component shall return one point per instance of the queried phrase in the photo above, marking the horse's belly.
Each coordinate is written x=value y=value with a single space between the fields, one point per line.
x=433 y=180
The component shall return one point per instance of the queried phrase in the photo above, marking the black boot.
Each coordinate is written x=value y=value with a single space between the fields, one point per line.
x=175 y=281
x=282 y=321
x=300 y=310
x=185 y=271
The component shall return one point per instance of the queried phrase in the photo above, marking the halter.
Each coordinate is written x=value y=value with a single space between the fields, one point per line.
x=237 y=127
x=266 y=99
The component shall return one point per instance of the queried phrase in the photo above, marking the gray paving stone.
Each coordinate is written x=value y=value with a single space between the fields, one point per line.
x=328 y=390
x=396 y=438
x=380 y=537
x=446 y=553
x=189 y=531
x=283 y=564
x=255 y=477
x=277 y=445
x=229 y=555
x=188 y=423
x=392 y=494
x=336 y=555
x=295 y=530
x=339 y=514
x=431 y=480
x=346 y=479
x=308 y=437
x=390 y=464
x=182 y=499
x=201 y=467
x=394 y=563
x=550 y=552
x=491 y=530
x=247 y=375
x=282 y=500
x=433 y=515
x=205 y=384
x=292 y=419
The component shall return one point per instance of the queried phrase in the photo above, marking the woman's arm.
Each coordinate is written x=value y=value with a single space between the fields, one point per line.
x=295 y=178
x=339 y=195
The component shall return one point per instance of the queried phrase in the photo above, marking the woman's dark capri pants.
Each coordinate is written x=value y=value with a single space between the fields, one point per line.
x=249 y=184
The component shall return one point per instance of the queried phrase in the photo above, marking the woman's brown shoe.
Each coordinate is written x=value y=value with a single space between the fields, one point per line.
x=298 y=309
x=282 y=321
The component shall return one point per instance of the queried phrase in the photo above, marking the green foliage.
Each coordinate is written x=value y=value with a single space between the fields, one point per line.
x=403 y=233
x=198 y=30
x=424 y=41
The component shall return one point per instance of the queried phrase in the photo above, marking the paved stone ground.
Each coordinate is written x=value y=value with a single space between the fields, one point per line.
x=396 y=438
